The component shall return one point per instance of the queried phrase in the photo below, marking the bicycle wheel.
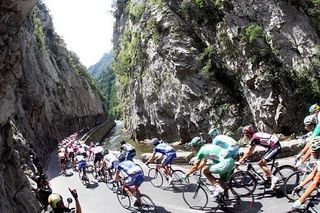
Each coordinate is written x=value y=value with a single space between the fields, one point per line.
x=147 y=205
x=236 y=203
x=177 y=182
x=111 y=185
x=291 y=182
x=242 y=183
x=283 y=172
x=123 y=198
x=195 y=196
x=155 y=176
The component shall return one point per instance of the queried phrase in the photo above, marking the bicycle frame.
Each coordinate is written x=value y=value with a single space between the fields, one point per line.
x=252 y=170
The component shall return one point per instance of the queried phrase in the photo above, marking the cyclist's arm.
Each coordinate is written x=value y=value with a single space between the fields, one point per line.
x=310 y=177
x=313 y=185
x=196 y=166
x=151 y=158
x=247 y=153
x=78 y=206
x=305 y=148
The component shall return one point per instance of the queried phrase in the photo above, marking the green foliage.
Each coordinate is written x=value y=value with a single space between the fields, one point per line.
x=38 y=29
x=199 y=3
x=151 y=28
x=185 y=7
x=81 y=71
x=251 y=33
x=314 y=13
x=307 y=84
x=129 y=56
x=137 y=10
x=156 y=1
x=106 y=83
x=206 y=58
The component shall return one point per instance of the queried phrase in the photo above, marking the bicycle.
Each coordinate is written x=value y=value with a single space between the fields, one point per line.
x=145 y=202
x=249 y=178
x=156 y=176
x=196 y=197
x=295 y=179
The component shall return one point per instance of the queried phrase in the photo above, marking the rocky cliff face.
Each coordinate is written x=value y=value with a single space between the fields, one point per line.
x=186 y=65
x=44 y=96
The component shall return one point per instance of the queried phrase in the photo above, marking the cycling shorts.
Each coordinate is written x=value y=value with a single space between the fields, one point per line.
x=114 y=165
x=82 y=164
x=134 y=180
x=168 y=158
x=131 y=154
x=223 y=168
x=98 y=157
x=272 y=153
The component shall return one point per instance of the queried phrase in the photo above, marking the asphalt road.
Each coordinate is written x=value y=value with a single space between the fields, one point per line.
x=98 y=198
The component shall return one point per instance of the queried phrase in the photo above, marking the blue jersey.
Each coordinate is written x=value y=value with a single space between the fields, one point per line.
x=227 y=143
x=129 y=168
x=164 y=149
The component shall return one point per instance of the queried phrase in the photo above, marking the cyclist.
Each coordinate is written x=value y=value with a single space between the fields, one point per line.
x=98 y=156
x=314 y=176
x=62 y=157
x=43 y=190
x=82 y=164
x=225 y=142
x=110 y=161
x=271 y=142
x=57 y=205
x=303 y=156
x=133 y=178
x=71 y=155
x=127 y=151
x=167 y=152
x=219 y=162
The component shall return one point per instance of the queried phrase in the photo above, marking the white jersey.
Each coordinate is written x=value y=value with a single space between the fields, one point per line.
x=80 y=158
x=109 y=159
x=97 y=149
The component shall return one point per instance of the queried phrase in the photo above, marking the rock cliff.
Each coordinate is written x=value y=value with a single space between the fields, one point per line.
x=186 y=65
x=44 y=96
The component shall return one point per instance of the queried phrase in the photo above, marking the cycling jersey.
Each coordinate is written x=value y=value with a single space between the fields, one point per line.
x=164 y=149
x=97 y=150
x=222 y=163
x=129 y=168
x=227 y=143
x=316 y=131
x=264 y=139
x=212 y=152
x=131 y=172
x=111 y=160
x=128 y=152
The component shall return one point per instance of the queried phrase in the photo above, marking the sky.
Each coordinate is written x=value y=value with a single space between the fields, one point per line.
x=86 y=26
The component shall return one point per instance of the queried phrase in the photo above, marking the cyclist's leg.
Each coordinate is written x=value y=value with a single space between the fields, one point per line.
x=223 y=168
x=269 y=155
x=166 y=161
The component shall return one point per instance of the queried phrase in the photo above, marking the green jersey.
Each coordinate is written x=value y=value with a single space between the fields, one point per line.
x=212 y=152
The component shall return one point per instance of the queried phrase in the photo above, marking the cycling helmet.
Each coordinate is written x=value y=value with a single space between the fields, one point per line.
x=315 y=144
x=213 y=132
x=248 y=130
x=55 y=201
x=196 y=141
x=122 y=142
x=313 y=108
x=310 y=119
x=155 y=141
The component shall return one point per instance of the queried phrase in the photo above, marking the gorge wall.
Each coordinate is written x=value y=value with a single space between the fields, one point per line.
x=45 y=96
x=186 y=65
